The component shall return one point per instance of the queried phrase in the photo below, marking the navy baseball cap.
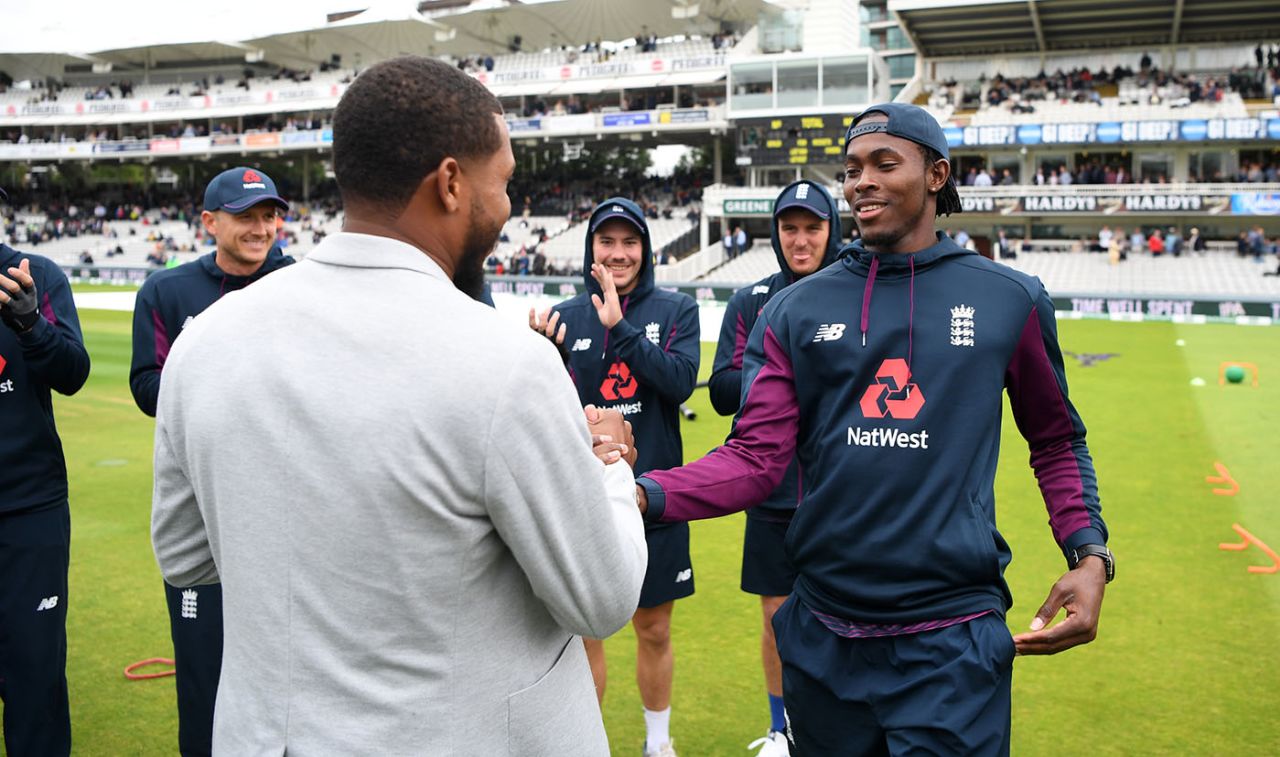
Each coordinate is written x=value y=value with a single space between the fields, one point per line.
x=236 y=189
x=903 y=120
x=912 y=123
x=802 y=194
x=617 y=210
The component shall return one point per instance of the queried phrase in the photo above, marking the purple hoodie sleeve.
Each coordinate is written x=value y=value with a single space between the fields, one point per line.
x=54 y=348
x=1037 y=385
x=741 y=473
x=725 y=383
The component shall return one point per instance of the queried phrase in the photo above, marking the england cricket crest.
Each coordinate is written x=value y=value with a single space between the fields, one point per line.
x=961 y=326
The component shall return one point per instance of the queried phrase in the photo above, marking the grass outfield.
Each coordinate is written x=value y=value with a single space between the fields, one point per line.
x=1187 y=656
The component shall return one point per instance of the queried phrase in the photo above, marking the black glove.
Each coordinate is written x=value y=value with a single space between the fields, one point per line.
x=21 y=312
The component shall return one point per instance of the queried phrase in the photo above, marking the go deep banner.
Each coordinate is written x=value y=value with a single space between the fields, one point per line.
x=1115 y=132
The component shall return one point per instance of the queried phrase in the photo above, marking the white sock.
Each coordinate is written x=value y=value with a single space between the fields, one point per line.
x=657 y=728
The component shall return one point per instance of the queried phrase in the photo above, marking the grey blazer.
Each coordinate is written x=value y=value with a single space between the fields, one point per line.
x=394 y=485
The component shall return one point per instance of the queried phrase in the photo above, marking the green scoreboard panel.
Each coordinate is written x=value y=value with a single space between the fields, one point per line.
x=792 y=140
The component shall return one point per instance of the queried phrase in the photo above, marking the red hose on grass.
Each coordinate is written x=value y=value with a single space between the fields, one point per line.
x=132 y=676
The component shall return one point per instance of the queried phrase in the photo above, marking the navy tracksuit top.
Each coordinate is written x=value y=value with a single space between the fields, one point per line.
x=647 y=364
x=51 y=356
x=167 y=300
x=883 y=374
x=725 y=385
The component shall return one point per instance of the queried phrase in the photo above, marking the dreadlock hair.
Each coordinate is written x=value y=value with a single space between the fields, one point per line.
x=399 y=119
x=949 y=195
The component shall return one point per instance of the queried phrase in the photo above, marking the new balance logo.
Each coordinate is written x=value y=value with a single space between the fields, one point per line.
x=581 y=345
x=48 y=603
x=189 y=598
x=760 y=289
x=829 y=332
x=684 y=575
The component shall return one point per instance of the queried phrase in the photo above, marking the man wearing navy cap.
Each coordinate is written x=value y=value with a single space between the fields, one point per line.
x=884 y=376
x=635 y=348
x=806 y=239
x=241 y=210
x=41 y=349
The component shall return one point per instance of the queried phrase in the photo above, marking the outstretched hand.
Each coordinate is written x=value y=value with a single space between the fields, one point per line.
x=1079 y=592
x=608 y=308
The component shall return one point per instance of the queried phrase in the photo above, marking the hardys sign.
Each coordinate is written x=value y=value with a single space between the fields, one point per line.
x=1099 y=204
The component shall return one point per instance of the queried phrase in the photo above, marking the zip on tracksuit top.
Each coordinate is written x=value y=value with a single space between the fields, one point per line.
x=33 y=471
x=170 y=298
x=883 y=375
x=725 y=385
x=647 y=364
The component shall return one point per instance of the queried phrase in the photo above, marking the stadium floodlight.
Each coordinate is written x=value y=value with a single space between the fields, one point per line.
x=103 y=67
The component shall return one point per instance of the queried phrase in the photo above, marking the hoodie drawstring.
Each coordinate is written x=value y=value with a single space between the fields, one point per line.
x=911 y=313
x=866 y=296
x=911 y=306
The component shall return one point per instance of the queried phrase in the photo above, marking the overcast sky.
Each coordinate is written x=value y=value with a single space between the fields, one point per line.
x=77 y=26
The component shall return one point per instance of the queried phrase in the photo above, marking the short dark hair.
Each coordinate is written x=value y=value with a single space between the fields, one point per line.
x=949 y=196
x=399 y=119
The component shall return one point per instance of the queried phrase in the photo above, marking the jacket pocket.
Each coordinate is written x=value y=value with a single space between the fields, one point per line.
x=558 y=714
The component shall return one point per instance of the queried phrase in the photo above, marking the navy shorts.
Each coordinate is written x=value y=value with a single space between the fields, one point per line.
x=766 y=570
x=670 y=572
x=195 y=622
x=940 y=692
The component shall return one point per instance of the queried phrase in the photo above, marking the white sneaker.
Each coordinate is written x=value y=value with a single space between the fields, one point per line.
x=772 y=745
x=667 y=749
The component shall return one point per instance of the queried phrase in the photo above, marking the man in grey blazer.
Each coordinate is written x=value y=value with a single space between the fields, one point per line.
x=408 y=546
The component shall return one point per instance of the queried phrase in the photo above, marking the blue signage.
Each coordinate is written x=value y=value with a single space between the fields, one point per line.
x=626 y=119
x=1113 y=132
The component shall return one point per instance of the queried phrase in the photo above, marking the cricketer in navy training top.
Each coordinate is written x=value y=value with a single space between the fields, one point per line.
x=894 y=639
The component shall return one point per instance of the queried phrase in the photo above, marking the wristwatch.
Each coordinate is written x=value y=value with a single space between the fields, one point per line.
x=1074 y=556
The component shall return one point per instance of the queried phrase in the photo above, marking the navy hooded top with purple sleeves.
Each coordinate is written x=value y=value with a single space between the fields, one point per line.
x=883 y=375
x=647 y=364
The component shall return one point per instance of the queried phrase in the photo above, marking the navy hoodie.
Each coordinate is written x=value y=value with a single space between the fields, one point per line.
x=883 y=374
x=647 y=364
x=725 y=384
x=167 y=301
x=51 y=356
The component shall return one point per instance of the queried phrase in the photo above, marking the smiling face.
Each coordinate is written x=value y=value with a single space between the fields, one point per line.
x=244 y=238
x=618 y=246
x=892 y=189
x=803 y=237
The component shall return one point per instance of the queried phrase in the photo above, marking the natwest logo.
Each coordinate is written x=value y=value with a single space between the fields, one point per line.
x=892 y=394
x=5 y=386
x=618 y=383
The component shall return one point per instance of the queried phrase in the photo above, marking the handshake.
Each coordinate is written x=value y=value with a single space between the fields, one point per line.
x=611 y=438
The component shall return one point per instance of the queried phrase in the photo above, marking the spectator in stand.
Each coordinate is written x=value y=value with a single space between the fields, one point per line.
x=1195 y=242
x=1064 y=176
x=1040 y=179
x=1137 y=242
x=1173 y=242
x=739 y=240
x=727 y=242
x=1104 y=238
x=1155 y=243
x=983 y=179
x=1006 y=178
x=961 y=238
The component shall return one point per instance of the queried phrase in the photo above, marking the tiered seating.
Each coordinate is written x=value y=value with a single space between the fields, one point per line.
x=753 y=265
x=1112 y=109
x=1212 y=275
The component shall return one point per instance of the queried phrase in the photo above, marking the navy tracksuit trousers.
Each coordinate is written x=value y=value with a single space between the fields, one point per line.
x=939 y=692
x=195 y=622
x=35 y=552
